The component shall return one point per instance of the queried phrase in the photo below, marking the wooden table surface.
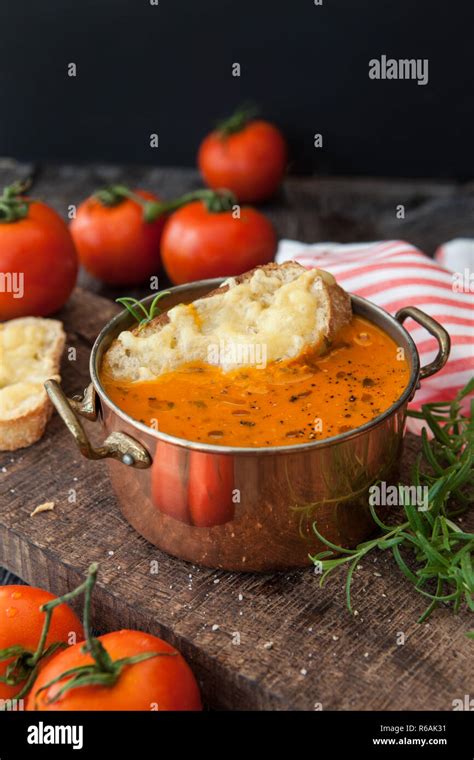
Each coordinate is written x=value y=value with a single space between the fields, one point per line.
x=299 y=648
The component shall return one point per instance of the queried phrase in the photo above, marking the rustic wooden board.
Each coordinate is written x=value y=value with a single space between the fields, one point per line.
x=299 y=648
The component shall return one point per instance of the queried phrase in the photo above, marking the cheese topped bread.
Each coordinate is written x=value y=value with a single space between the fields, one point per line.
x=286 y=308
x=30 y=353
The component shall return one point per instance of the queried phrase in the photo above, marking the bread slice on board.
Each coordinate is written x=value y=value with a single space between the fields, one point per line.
x=286 y=308
x=30 y=353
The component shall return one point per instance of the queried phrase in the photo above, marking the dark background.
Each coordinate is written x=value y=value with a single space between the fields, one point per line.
x=167 y=69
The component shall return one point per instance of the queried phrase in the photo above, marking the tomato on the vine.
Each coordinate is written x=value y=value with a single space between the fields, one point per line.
x=38 y=261
x=21 y=626
x=116 y=240
x=164 y=681
x=248 y=156
x=122 y=670
x=212 y=237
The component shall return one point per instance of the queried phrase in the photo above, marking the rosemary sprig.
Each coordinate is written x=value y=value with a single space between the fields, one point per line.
x=138 y=309
x=442 y=569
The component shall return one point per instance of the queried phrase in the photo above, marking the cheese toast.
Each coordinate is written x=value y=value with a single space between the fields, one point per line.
x=30 y=353
x=286 y=308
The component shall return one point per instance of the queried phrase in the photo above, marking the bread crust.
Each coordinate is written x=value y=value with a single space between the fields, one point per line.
x=27 y=428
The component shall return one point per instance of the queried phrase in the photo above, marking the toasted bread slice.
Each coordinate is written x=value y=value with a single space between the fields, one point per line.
x=30 y=353
x=286 y=308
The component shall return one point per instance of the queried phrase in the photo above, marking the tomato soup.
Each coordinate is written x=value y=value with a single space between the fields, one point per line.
x=285 y=403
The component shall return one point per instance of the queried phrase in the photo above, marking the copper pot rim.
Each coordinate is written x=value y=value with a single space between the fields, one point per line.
x=362 y=305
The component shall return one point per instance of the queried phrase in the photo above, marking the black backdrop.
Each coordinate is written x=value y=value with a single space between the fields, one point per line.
x=166 y=69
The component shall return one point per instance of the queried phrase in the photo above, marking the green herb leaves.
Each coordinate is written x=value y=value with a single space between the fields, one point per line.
x=138 y=309
x=430 y=549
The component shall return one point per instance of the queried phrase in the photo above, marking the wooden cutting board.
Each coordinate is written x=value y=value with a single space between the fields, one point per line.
x=255 y=641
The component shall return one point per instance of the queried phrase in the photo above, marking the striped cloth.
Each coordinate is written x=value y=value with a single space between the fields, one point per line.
x=393 y=274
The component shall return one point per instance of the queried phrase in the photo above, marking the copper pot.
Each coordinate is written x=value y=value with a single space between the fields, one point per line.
x=256 y=506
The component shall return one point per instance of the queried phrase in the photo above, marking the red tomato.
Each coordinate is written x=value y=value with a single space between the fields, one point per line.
x=159 y=683
x=198 y=243
x=38 y=251
x=250 y=162
x=21 y=623
x=211 y=481
x=115 y=243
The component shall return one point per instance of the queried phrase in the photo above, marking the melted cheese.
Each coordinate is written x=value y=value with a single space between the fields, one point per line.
x=282 y=316
x=26 y=361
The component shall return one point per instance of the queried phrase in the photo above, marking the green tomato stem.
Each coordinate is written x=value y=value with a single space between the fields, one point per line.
x=239 y=119
x=216 y=201
x=13 y=207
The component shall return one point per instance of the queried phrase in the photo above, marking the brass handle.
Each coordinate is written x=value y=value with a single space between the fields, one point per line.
x=433 y=327
x=116 y=446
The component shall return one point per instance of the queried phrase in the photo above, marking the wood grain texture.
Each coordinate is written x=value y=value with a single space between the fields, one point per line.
x=299 y=647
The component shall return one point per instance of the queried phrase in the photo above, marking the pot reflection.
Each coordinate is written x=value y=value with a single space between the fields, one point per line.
x=197 y=489
x=246 y=512
x=169 y=475
x=211 y=492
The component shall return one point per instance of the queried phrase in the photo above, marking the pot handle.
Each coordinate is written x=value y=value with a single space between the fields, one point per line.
x=117 y=445
x=433 y=327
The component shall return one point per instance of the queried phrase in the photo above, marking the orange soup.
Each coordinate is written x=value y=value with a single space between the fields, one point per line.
x=288 y=402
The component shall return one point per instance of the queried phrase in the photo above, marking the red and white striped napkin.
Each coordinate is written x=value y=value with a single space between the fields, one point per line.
x=393 y=274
